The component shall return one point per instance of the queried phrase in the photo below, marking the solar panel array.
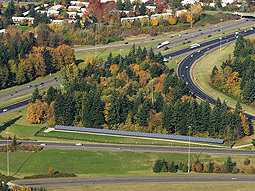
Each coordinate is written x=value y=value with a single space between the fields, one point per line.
x=138 y=134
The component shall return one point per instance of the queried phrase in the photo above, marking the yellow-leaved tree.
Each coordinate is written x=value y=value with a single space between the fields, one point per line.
x=154 y=23
x=172 y=20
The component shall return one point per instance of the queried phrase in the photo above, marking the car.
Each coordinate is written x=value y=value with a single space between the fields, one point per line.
x=182 y=75
x=220 y=38
x=29 y=86
x=208 y=48
x=214 y=31
x=36 y=86
x=245 y=31
x=198 y=51
x=15 y=92
x=227 y=40
x=171 y=36
x=141 y=41
x=239 y=29
x=191 y=56
x=195 y=36
x=11 y=95
x=192 y=36
x=252 y=20
x=55 y=79
x=152 y=39
x=234 y=178
x=247 y=20
x=215 y=26
x=187 y=67
x=187 y=83
x=42 y=144
x=210 y=28
x=199 y=30
x=78 y=144
x=159 y=43
x=41 y=84
x=4 y=110
x=180 y=35
x=126 y=43
x=201 y=33
x=185 y=39
x=219 y=30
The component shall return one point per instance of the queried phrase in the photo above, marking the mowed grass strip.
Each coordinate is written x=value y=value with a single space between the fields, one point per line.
x=160 y=187
x=87 y=163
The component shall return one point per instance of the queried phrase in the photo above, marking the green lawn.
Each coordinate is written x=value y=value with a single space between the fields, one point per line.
x=99 y=163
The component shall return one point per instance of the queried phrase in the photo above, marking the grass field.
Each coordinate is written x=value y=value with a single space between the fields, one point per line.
x=100 y=163
x=160 y=187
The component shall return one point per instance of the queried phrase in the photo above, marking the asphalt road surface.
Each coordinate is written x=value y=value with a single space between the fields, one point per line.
x=138 y=180
x=136 y=148
x=175 y=41
x=186 y=65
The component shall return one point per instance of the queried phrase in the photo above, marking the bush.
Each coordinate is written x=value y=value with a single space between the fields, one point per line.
x=209 y=35
x=188 y=41
x=185 y=168
x=166 y=48
x=253 y=142
x=158 y=166
x=199 y=167
x=164 y=169
x=246 y=161
x=51 y=171
x=183 y=42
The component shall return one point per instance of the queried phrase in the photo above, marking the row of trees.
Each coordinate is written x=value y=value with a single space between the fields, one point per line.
x=236 y=75
x=135 y=93
x=211 y=167
x=24 y=58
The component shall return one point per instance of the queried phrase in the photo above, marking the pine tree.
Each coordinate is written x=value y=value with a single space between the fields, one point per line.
x=143 y=115
x=96 y=113
x=31 y=12
x=142 y=9
x=239 y=45
x=47 y=59
x=151 y=54
x=51 y=93
x=69 y=112
x=139 y=53
x=139 y=100
x=119 y=4
x=10 y=9
x=176 y=115
x=35 y=95
x=166 y=117
x=14 y=141
x=230 y=164
x=194 y=117
x=59 y=109
x=156 y=71
x=159 y=103
x=127 y=5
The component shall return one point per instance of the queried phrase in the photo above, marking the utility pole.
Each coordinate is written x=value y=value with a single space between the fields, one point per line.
x=189 y=150
x=152 y=91
x=95 y=40
x=220 y=34
x=7 y=133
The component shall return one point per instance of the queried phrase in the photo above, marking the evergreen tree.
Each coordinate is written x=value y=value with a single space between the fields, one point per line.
x=142 y=9
x=96 y=113
x=195 y=123
x=143 y=115
x=127 y=5
x=59 y=109
x=159 y=103
x=249 y=91
x=155 y=70
x=151 y=54
x=176 y=115
x=51 y=93
x=10 y=9
x=32 y=12
x=35 y=95
x=239 y=45
x=47 y=59
x=158 y=166
x=166 y=117
x=139 y=100
x=69 y=112
x=184 y=119
x=139 y=53
x=230 y=164
x=119 y=4
x=215 y=120
x=14 y=141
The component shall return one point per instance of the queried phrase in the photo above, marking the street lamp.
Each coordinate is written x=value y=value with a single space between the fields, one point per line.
x=95 y=40
x=152 y=91
x=220 y=34
x=191 y=15
x=7 y=133
x=189 y=148
x=120 y=55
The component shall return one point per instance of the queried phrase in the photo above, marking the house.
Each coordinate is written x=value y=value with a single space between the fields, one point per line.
x=151 y=8
x=56 y=7
x=17 y=19
x=2 y=31
x=131 y=19
x=57 y=21
x=177 y=13
x=155 y=16
x=77 y=8
x=76 y=3
x=71 y=14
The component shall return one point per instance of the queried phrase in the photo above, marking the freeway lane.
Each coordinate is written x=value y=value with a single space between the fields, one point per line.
x=137 y=148
x=137 y=180
x=186 y=65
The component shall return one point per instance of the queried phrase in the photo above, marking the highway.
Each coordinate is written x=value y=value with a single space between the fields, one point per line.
x=137 y=180
x=186 y=65
x=176 y=41
x=137 y=148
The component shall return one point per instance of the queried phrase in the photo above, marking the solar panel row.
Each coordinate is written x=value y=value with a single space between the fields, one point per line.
x=139 y=134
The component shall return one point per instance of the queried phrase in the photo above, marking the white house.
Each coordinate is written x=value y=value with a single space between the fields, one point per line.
x=131 y=19
x=17 y=19
x=177 y=13
x=151 y=8
x=2 y=31
x=77 y=8
x=71 y=14
x=56 y=7
x=76 y=3
x=155 y=16
x=57 y=21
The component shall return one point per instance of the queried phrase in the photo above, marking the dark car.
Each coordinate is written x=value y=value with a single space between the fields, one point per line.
x=126 y=42
x=15 y=92
x=247 y=20
x=199 y=30
x=201 y=33
x=29 y=86
x=218 y=30
x=41 y=84
x=36 y=86
x=186 y=33
x=11 y=95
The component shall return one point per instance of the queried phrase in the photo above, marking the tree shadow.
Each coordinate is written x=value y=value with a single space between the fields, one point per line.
x=9 y=123
x=77 y=62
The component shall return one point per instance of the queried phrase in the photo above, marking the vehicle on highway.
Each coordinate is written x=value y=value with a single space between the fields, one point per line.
x=126 y=43
x=199 y=30
x=180 y=35
x=171 y=36
x=186 y=33
x=163 y=44
x=210 y=28
x=187 y=83
x=165 y=59
x=55 y=79
x=195 y=36
x=194 y=46
x=4 y=110
x=182 y=75
x=247 y=20
x=141 y=41
x=11 y=95
x=215 y=26
x=191 y=56
x=198 y=51
x=42 y=144
x=185 y=39
x=219 y=30
x=201 y=33
x=29 y=86
x=214 y=31
x=15 y=92
x=192 y=36
x=41 y=84
x=78 y=144
x=234 y=178
x=187 y=67
x=152 y=39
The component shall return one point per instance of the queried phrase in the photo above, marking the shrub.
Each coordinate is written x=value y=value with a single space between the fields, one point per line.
x=188 y=41
x=164 y=169
x=184 y=168
x=246 y=161
x=183 y=42
x=199 y=167
x=209 y=35
x=51 y=171
x=166 y=48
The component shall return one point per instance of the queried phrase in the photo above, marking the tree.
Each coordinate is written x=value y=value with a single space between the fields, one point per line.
x=51 y=171
x=164 y=169
x=182 y=18
x=127 y=5
x=14 y=141
x=142 y=9
x=119 y=4
x=158 y=166
x=246 y=161
x=143 y=115
x=198 y=167
x=172 y=21
x=253 y=142
x=10 y=10
x=35 y=95
x=230 y=164
x=159 y=103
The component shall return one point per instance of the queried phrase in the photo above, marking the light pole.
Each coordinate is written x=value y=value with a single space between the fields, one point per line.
x=95 y=40
x=220 y=34
x=120 y=55
x=189 y=148
x=152 y=91
x=7 y=133
x=191 y=15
